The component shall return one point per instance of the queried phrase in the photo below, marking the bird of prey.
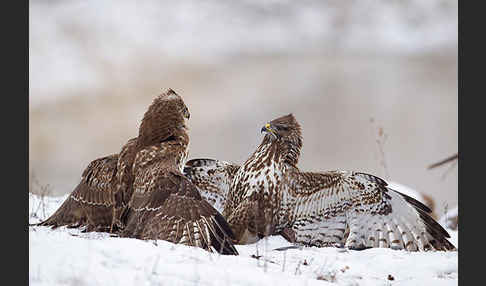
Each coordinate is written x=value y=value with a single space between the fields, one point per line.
x=142 y=193
x=163 y=203
x=268 y=194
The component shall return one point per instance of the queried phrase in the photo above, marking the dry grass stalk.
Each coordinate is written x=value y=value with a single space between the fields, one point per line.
x=454 y=157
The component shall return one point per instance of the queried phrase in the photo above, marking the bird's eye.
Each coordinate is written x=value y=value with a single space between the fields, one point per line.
x=281 y=127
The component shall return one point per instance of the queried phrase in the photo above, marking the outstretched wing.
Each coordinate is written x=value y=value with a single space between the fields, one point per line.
x=90 y=203
x=212 y=178
x=358 y=211
x=170 y=208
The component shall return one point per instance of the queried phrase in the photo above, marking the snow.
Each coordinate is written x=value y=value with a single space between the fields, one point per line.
x=69 y=257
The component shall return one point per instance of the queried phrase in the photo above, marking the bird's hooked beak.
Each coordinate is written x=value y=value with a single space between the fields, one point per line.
x=269 y=130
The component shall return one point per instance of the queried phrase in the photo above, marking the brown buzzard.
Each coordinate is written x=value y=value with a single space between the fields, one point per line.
x=163 y=203
x=268 y=194
x=142 y=193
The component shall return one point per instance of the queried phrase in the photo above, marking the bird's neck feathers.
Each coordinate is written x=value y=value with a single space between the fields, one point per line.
x=163 y=137
x=282 y=149
x=163 y=121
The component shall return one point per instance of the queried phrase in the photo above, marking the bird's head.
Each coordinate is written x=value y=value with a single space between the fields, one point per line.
x=283 y=127
x=285 y=134
x=171 y=102
x=164 y=120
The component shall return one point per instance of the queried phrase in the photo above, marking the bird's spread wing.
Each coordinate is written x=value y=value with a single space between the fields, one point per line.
x=170 y=208
x=90 y=203
x=359 y=211
x=212 y=178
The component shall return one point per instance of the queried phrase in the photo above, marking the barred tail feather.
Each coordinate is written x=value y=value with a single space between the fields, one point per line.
x=209 y=233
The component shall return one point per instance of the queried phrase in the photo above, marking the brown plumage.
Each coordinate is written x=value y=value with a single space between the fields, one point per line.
x=142 y=193
x=163 y=203
x=90 y=204
x=268 y=194
x=124 y=181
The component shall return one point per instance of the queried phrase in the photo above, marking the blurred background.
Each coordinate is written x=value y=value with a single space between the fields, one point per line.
x=373 y=83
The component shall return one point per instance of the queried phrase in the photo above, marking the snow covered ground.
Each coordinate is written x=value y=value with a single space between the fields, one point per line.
x=68 y=257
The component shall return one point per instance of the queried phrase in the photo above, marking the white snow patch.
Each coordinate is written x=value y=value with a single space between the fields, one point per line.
x=67 y=256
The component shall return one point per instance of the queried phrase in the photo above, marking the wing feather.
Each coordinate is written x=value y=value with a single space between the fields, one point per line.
x=90 y=203
x=171 y=208
x=375 y=215
x=212 y=178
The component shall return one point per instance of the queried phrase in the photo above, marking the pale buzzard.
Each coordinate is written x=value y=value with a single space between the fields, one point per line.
x=268 y=194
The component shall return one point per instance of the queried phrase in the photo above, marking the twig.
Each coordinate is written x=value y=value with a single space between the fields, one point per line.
x=446 y=160
x=42 y=191
x=380 y=141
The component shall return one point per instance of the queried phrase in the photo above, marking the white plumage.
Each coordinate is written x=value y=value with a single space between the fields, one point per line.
x=268 y=194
